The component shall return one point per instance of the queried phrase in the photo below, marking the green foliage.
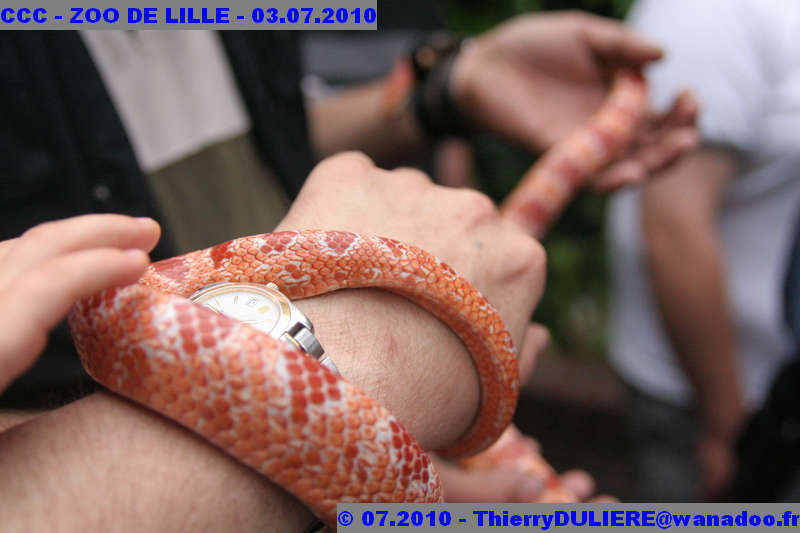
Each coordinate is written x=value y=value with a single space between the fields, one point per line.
x=575 y=302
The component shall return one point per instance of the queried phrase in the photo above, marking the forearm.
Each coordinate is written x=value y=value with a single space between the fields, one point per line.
x=10 y=418
x=686 y=265
x=359 y=119
x=687 y=277
x=103 y=463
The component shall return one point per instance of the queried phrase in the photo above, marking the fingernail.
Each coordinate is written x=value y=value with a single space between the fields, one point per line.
x=145 y=220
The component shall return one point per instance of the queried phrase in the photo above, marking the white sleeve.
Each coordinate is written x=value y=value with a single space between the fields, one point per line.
x=717 y=49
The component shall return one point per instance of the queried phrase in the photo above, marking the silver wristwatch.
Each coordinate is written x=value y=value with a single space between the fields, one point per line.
x=266 y=308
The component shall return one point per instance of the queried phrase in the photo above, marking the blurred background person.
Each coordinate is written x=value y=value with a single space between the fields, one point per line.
x=699 y=254
x=336 y=61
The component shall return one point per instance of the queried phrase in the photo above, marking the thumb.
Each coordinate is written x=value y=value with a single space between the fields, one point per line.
x=616 y=43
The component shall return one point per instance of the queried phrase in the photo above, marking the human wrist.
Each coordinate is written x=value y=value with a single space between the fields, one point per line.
x=436 y=110
x=403 y=357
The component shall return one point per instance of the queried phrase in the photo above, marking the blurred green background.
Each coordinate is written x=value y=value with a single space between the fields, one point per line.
x=575 y=302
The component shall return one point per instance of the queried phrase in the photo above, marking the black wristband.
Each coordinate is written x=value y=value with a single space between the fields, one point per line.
x=434 y=107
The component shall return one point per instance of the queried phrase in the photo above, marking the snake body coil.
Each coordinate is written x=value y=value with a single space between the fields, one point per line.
x=279 y=411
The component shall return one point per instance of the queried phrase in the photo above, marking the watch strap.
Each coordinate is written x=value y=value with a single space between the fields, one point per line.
x=432 y=63
x=304 y=337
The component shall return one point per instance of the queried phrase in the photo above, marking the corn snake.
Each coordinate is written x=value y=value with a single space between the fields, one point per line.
x=284 y=415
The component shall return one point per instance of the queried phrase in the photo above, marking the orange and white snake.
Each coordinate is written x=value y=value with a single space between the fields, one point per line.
x=282 y=413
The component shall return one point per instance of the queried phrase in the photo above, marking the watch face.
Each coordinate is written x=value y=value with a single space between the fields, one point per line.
x=251 y=304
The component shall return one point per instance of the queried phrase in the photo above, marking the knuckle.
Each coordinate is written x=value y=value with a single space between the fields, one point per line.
x=532 y=254
x=39 y=231
x=353 y=158
x=575 y=16
x=477 y=204
x=411 y=175
x=342 y=167
x=530 y=259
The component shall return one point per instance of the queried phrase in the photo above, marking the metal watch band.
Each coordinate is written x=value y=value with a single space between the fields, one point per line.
x=303 y=336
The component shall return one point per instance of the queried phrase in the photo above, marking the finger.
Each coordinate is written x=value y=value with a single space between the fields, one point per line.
x=674 y=144
x=579 y=482
x=620 y=174
x=66 y=278
x=647 y=160
x=462 y=485
x=41 y=298
x=670 y=135
x=683 y=112
x=616 y=43
x=686 y=108
x=535 y=342
x=532 y=444
x=78 y=233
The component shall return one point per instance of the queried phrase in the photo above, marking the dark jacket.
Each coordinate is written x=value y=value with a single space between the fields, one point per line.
x=64 y=152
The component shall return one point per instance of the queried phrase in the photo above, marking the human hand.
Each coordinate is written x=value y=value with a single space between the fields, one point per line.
x=717 y=458
x=537 y=77
x=384 y=343
x=44 y=271
x=513 y=469
x=507 y=484
x=498 y=484
x=722 y=416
